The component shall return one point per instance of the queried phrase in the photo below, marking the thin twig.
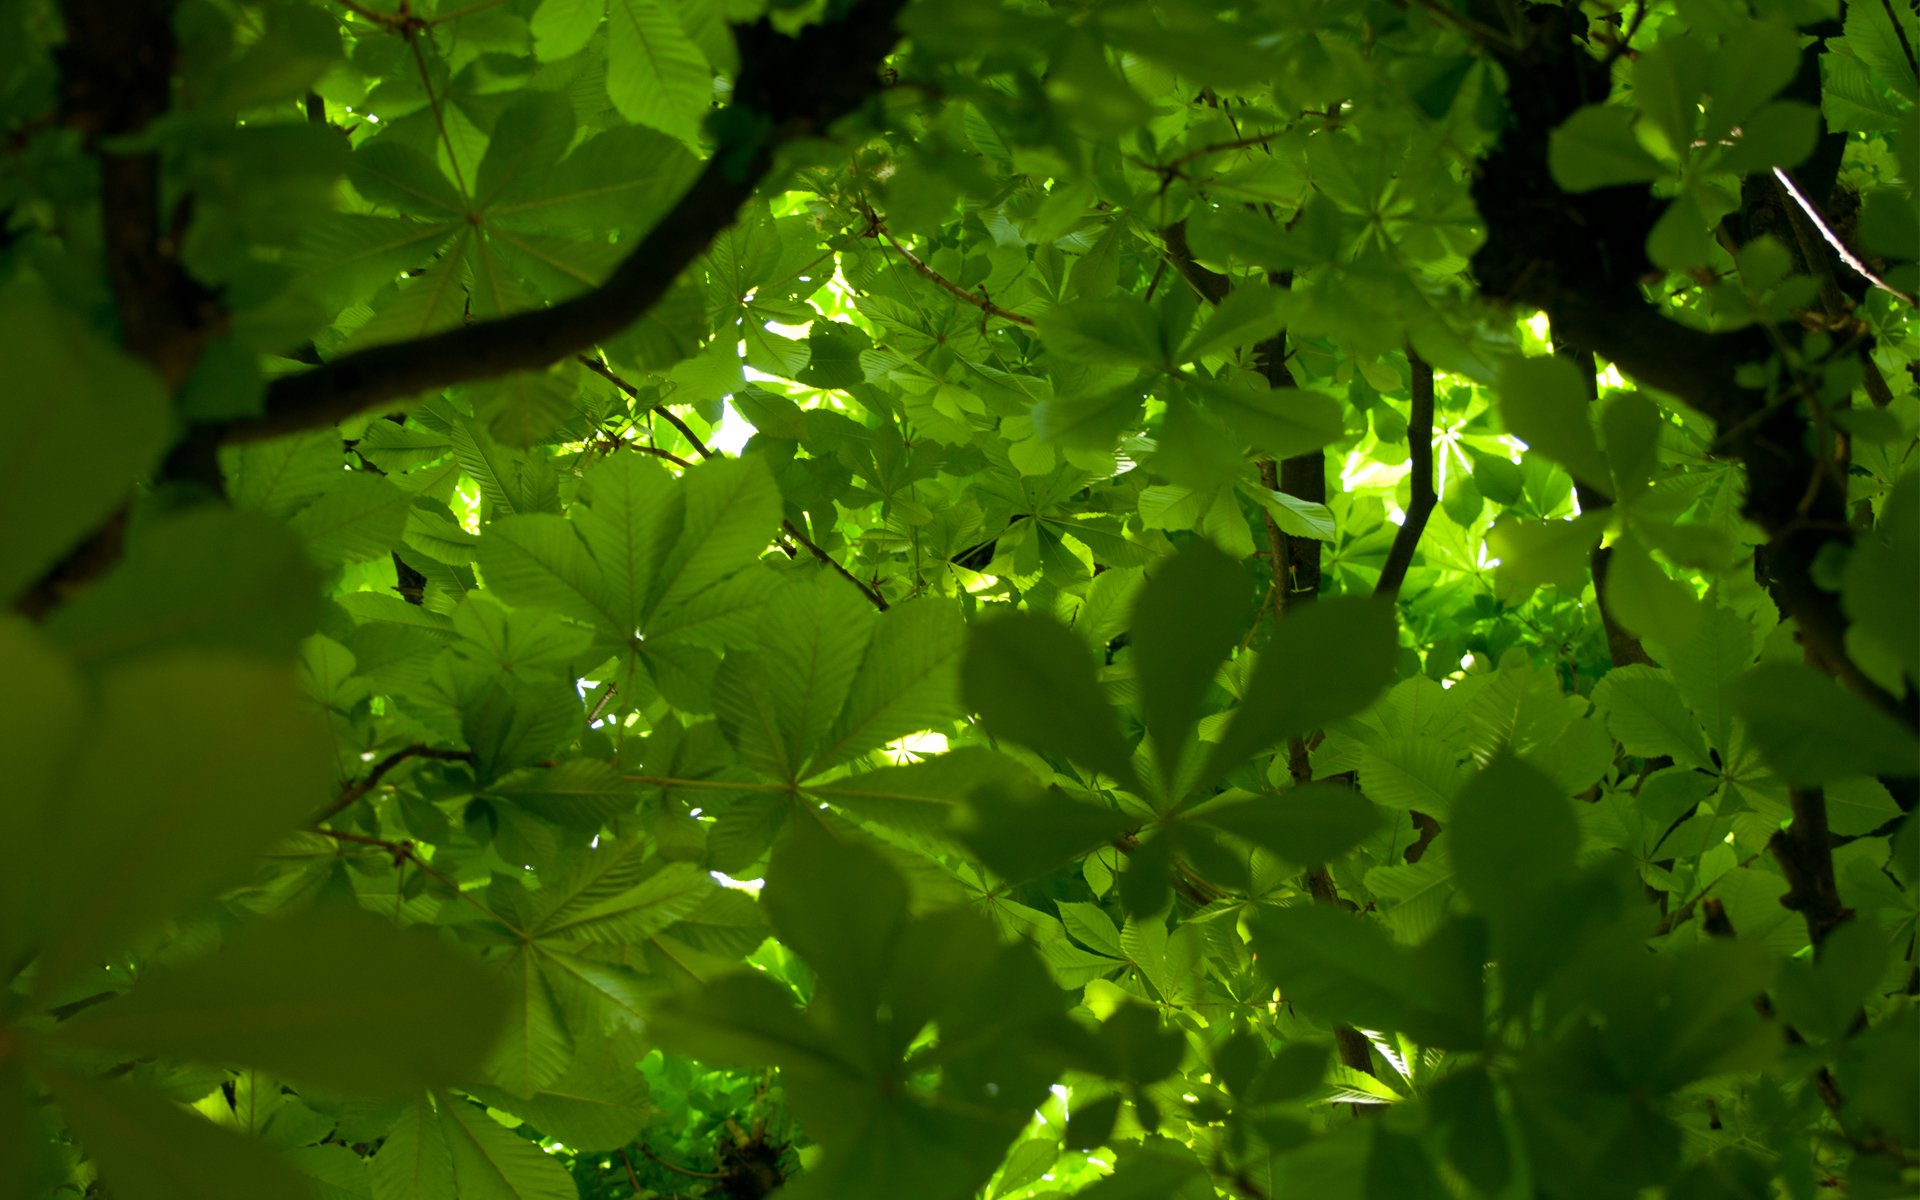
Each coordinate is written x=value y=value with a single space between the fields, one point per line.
x=633 y=1177
x=873 y=594
x=1173 y=165
x=980 y=302
x=385 y=20
x=605 y=372
x=354 y=791
x=409 y=851
x=678 y=1169
x=1839 y=247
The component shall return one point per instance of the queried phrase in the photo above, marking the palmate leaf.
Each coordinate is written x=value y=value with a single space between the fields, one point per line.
x=884 y=976
x=448 y=1147
x=834 y=680
x=644 y=553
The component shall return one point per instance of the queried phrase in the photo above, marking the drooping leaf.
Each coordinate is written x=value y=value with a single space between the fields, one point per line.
x=67 y=384
x=336 y=998
x=1031 y=681
x=1326 y=661
x=201 y=763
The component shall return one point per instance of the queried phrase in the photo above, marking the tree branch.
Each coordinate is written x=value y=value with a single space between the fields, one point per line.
x=1420 y=506
x=871 y=593
x=1579 y=258
x=632 y=393
x=354 y=791
x=116 y=78
x=1804 y=850
x=786 y=88
x=980 y=302
x=1623 y=648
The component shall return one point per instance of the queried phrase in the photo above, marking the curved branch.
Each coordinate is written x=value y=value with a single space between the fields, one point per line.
x=787 y=88
x=1420 y=443
x=354 y=791
x=980 y=302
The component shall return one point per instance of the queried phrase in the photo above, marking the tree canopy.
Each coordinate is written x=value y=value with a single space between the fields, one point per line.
x=959 y=599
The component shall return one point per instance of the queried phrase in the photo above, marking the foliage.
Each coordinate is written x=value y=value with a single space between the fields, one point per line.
x=996 y=598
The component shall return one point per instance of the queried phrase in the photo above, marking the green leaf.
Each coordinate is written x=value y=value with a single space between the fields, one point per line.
x=600 y=1103
x=160 y=596
x=66 y=386
x=1668 y=79
x=169 y=804
x=1326 y=661
x=1306 y=826
x=1104 y=331
x=1335 y=965
x=1782 y=134
x=656 y=76
x=1813 y=731
x=1646 y=716
x=1031 y=681
x=909 y=680
x=41 y=723
x=414 y=1163
x=1546 y=553
x=1248 y=314
x=1513 y=837
x=1283 y=422
x=1645 y=599
x=731 y=511
x=841 y=907
x=492 y=1162
x=336 y=998
x=778 y=704
x=1596 y=148
x=620 y=894
x=563 y=27
x=1187 y=619
x=1421 y=773
x=537 y=560
x=1021 y=835
x=150 y=1149
x=1544 y=404
x=1885 y=39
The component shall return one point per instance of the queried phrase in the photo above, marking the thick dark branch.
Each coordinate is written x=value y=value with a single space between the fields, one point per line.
x=116 y=78
x=1579 y=258
x=1804 y=850
x=1211 y=285
x=1420 y=504
x=787 y=88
